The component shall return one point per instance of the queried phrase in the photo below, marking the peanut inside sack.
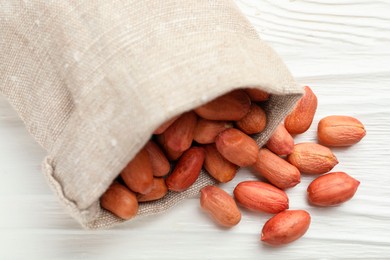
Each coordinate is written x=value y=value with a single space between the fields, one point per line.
x=203 y=137
x=215 y=136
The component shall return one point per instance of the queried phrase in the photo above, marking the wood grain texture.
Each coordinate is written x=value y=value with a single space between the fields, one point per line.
x=339 y=48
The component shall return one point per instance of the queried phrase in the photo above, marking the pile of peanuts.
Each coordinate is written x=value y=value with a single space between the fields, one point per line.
x=216 y=136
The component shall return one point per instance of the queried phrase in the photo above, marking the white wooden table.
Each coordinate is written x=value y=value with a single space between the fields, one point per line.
x=342 y=50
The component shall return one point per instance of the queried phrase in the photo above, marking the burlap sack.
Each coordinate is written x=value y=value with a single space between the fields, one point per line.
x=92 y=79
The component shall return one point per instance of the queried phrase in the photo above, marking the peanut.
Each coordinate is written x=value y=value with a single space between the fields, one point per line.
x=257 y=95
x=159 y=161
x=332 y=189
x=276 y=170
x=254 y=121
x=229 y=107
x=340 y=131
x=237 y=147
x=285 y=227
x=281 y=142
x=161 y=129
x=220 y=206
x=138 y=174
x=171 y=154
x=217 y=166
x=300 y=119
x=120 y=201
x=158 y=191
x=312 y=158
x=187 y=169
x=207 y=130
x=260 y=196
x=178 y=137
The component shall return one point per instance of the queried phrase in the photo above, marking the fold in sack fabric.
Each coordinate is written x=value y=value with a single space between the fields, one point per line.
x=92 y=79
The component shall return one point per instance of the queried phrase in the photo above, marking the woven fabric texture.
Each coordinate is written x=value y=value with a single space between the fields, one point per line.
x=92 y=80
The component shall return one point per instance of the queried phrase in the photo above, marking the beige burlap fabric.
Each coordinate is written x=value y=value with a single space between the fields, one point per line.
x=92 y=79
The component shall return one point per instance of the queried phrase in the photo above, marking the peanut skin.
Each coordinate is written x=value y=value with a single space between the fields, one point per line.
x=120 y=201
x=138 y=174
x=158 y=191
x=229 y=107
x=161 y=129
x=340 y=131
x=159 y=161
x=285 y=227
x=257 y=95
x=178 y=137
x=300 y=119
x=237 y=147
x=312 y=158
x=281 y=142
x=187 y=170
x=261 y=196
x=207 y=130
x=217 y=166
x=220 y=206
x=170 y=154
x=276 y=170
x=254 y=121
x=332 y=189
